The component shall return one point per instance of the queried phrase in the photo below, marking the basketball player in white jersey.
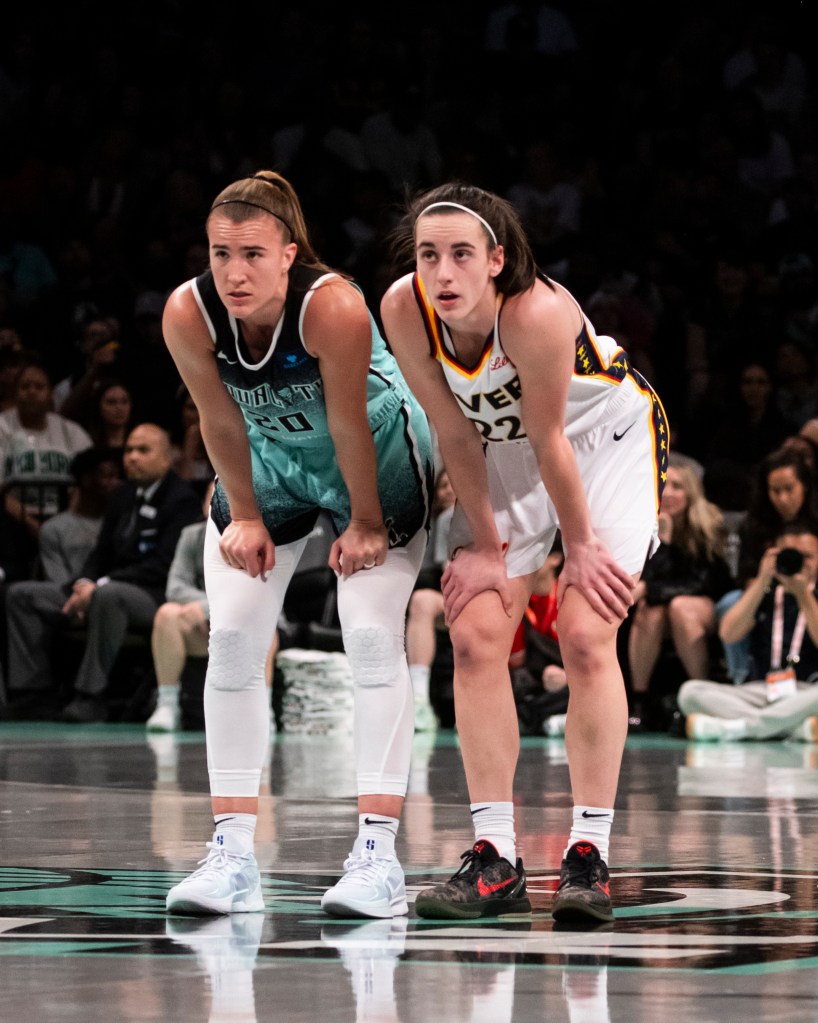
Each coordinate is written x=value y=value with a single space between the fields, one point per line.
x=542 y=425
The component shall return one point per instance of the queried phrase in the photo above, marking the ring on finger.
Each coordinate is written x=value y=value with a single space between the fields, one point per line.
x=369 y=564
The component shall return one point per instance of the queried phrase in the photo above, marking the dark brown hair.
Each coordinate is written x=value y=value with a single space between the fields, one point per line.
x=520 y=270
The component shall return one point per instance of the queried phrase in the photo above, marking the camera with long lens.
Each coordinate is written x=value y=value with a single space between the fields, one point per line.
x=789 y=561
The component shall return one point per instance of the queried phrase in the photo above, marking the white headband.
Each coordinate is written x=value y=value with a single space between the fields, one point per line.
x=465 y=209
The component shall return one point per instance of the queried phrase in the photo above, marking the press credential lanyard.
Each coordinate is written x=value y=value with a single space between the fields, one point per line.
x=781 y=681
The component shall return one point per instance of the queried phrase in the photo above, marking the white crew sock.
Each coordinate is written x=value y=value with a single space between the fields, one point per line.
x=494 y=822
x=241 y=826
x=592 y=824
x=377 y=833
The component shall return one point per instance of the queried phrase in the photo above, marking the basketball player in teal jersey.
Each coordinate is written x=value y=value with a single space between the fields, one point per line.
x=542 y=424
x=302 y=408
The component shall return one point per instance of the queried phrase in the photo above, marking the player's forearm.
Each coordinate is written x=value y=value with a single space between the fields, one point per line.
x=355 y=454
x=466 y=468
x=229 y=454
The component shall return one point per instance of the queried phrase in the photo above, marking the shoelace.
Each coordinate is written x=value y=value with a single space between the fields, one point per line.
x=215 y=861
x=469 y=867
x=366 y=863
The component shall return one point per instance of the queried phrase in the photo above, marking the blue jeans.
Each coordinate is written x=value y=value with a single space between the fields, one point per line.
x=736 y=655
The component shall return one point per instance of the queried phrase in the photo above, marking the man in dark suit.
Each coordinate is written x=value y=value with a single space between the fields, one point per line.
x=122 y=583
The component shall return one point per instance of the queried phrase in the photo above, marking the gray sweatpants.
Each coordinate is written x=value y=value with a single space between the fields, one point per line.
x=749 y=701
x=33 y=614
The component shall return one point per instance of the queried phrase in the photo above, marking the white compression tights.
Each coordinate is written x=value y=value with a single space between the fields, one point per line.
x=244 y=613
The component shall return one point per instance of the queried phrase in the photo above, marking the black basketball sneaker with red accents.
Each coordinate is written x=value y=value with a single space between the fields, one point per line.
x=485 y=885
x=584 y=889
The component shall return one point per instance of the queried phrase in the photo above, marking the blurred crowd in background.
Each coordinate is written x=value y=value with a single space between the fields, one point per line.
x=666 y=172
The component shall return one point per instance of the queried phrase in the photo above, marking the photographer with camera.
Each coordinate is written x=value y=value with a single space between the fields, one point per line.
x=778 y=613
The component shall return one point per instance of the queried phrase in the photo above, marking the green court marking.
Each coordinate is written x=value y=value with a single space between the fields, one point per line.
x=85 y=901
x=137 y=894
x=131 y=733
x=784 y=966
x=99 y=899
x=56 y=948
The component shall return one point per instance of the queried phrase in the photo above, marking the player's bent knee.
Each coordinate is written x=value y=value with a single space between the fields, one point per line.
x=586 y=649
x=477 y=642
x=233 y=664
x=374 y=655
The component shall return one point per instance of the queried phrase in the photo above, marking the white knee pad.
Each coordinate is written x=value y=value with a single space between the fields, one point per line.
x=232 y=663
x=375 y=655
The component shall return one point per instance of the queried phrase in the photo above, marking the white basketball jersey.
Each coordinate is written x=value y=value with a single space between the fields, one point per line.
x=607 y=398
x=489 y=391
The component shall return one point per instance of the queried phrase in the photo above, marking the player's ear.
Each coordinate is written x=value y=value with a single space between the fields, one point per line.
x=289 y=254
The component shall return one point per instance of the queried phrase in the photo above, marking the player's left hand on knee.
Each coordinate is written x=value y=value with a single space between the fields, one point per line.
x=606 y=586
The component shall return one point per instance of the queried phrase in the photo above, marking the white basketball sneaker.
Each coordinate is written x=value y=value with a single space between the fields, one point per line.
x=228 y=881
x=425 y=717
x=372 y=886
x=166 y=718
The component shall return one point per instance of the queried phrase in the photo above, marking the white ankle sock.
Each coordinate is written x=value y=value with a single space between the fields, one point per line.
x=494 y=822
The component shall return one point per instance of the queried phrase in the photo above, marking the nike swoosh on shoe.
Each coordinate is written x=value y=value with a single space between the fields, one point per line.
x=488 y=889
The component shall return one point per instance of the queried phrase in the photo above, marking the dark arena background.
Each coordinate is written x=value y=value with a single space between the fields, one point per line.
x=665 y=164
